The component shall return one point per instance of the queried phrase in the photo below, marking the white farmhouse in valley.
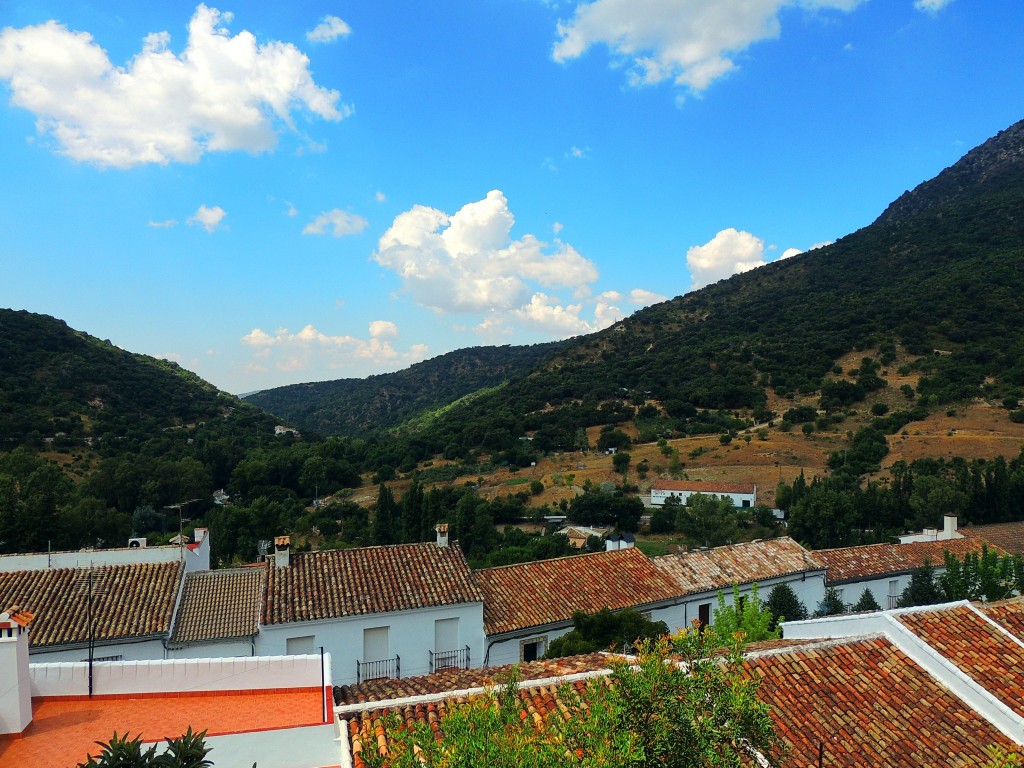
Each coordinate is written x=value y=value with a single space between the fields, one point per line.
x=739 y=494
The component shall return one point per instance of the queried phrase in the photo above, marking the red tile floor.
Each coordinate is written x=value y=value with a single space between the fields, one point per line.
x=63 y=731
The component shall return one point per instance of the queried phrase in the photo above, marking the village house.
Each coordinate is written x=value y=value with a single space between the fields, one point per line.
x=840 y=691
x=701 y=574
x=120 y=612
x=885 y=569
x=528 y=605
x=577 y=535
x=1009 y=537
x=388 y=611
x=739 y=494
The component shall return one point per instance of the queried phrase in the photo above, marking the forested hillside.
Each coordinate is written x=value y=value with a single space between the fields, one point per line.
x=358 y=406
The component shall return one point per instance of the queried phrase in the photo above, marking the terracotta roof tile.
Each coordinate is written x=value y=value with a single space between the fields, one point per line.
x=978 y=649
x=877 y=560
x=1009 y=537
x=721 y=567
x=128 y=601
x=549 y=591
x=1009 y=614
x=701 y=486
x=354 y=582
x=868 y=704
x=219 y=605
x=461 y=679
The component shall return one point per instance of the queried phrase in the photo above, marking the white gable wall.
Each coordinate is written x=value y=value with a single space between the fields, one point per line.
x=659 y=496
x=410 y=636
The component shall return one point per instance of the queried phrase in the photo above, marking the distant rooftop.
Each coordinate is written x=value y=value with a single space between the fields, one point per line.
x=877 y=560
x=701 y=486
x=220 y=605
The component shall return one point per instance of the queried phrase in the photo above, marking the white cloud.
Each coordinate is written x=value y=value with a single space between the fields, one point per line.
x=727 y=253
x=340 y=222
x=380 y=197
x=328 y=30
x=578 y=153
x=467 y=261
x=311 y=347
x=640 y=297
x=557 y=227
x=822 y=244
x=221 y=93
x=691 y=42
x=931 y=6
x=291 y=210
x=208 y=218
x=165 y=224
x=790 y=252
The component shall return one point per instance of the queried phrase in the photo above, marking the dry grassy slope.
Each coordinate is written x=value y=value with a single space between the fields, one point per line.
x=976 y=430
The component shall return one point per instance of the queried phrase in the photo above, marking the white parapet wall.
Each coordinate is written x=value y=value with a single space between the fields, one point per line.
x=251 y=673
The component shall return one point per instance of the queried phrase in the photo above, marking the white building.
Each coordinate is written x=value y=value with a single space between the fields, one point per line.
x=528 y=605
x=739 y=494
x=949 y=531
x=699 y=575
x=886 y=569
x=391 y=611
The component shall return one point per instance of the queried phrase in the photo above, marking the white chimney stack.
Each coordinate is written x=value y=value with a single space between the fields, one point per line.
x=949 y=525
x=16 y=696
x=442 y=534
x=282 y=551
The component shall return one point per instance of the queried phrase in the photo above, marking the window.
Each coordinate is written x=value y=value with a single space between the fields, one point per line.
x=446 y=634
x=375 y=643
x=746 y=503
x=294 y=646
x=894 y=587
x=704 y=614
x=532 y=649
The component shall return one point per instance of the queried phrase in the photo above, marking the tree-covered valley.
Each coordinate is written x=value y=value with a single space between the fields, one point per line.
x=851 y=348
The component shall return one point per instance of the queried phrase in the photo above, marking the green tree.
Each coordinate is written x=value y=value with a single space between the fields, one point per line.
x=708 y=521
x=747 y=614
x=784 y=605
x=831 y=605
x=981 y=576
x=384 y=517
x=603 y=631
x=621 y=462
x=922 y=589
x=867 y=602
x=655 y=713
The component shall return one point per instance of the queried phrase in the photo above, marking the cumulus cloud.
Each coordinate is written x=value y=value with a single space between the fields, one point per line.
x=221 y=93
x=468 y=262
x=690 y=42
x=328 y=30
x=729 y=252
x=790 y=252
x=339 y=222
x=931 y=6
x=641 y=297
x=208 y=218
x=287 y=351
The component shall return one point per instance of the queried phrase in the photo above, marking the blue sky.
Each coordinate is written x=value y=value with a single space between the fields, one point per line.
x=273 y=193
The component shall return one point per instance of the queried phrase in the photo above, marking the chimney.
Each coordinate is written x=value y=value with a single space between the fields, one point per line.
x=16 y=699
x=442 y=534
x=282 y=551
x=199 y=534
x=949 y=525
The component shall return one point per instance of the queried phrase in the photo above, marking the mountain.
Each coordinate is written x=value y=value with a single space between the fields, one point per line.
x=55 y=380
x=356 y=406
x=939 y=276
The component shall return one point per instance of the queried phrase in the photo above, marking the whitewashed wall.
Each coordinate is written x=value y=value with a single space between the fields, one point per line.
x=659 y=496
x=128 y=651
x=410 y=636
x=224 y=650
x=809 y=589
x=852 y=590
x=197 y=559
x=180 y=675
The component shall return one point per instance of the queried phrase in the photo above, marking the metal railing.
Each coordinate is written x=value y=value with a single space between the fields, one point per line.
x=457 y=659
x=374 y=670
x=893 y=600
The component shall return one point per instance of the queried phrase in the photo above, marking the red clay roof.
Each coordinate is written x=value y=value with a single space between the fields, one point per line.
x=128 y=601
x=877 y=560
x=868 y=704
x=549 y=591
x=1009 y=614
x=355 y=582
x=713 y=569
x=701 y=486
x=219 y=605
x=1009 y=537
x=461 y=679
x=978 y=649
